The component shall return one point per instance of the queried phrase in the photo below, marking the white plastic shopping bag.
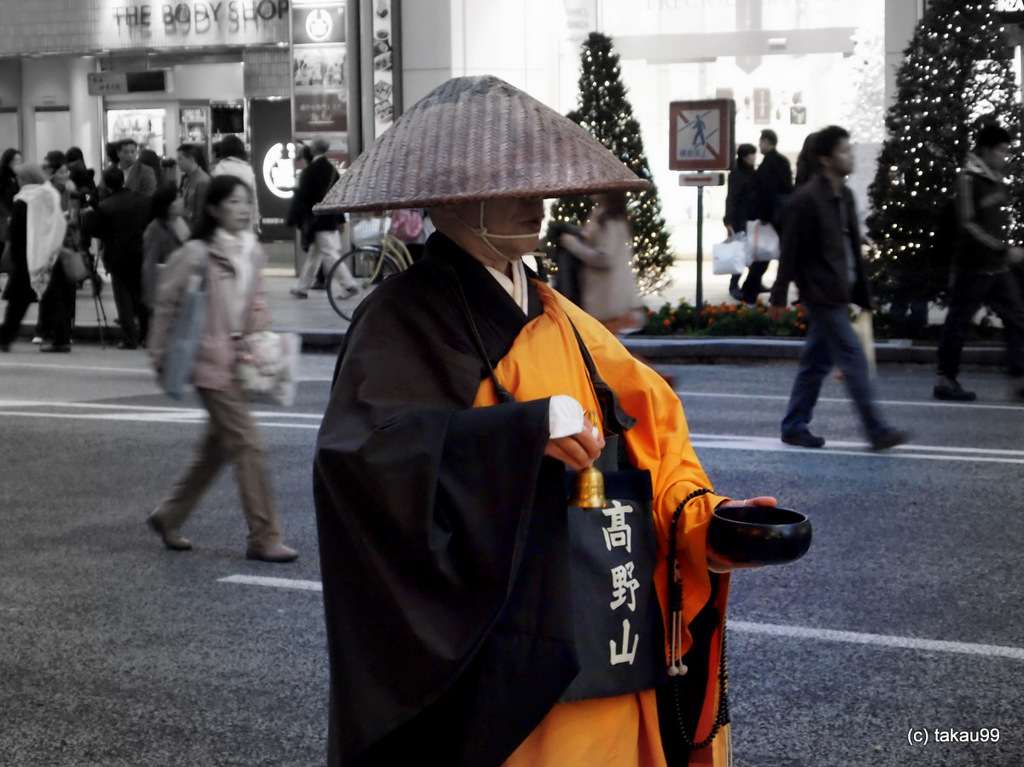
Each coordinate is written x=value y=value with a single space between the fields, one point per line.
x=762 y=241
x=729 y=257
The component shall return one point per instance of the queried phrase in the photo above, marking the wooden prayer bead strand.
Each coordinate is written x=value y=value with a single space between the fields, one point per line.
x=676 y=666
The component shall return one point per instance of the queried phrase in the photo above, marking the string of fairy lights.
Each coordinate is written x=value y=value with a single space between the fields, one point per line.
x=605 y=111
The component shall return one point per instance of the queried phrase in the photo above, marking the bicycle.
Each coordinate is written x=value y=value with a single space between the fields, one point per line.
x=367 y=266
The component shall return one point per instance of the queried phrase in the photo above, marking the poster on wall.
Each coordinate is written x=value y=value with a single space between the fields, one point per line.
x=325 y=112
x=320 y=76
x=383 y=59
x=319 y=68
x=762 y=106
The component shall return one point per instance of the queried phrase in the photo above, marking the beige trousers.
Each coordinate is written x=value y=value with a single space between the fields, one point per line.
x=231 y=435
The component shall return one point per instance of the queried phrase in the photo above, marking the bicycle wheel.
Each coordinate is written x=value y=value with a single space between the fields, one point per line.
x=355 y=275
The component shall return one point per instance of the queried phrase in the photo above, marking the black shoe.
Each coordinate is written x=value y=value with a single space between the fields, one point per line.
x=950 y=389
x=803 y=439
x=763 y=289
x=736 y=293
x=126 y=345
x=889 y=438
x=59 y=348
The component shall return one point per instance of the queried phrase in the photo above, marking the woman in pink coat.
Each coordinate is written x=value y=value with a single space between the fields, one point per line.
x=226 y=247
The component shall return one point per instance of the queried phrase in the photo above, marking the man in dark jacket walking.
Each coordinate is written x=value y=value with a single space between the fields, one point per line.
x=321 y=234
x=981 y=263
x=118 y=223
x=821 y=253
x=774 y=183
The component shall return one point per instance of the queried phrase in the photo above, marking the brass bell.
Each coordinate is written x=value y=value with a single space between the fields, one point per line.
x=588 y=489
x=588 y=484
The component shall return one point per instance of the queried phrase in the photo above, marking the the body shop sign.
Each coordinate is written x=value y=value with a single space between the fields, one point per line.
x=197 y=23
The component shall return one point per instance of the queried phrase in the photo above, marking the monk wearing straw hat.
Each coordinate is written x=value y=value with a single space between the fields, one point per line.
x=461 y=396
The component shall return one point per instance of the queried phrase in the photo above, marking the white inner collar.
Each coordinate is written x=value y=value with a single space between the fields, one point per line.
x=514 y=286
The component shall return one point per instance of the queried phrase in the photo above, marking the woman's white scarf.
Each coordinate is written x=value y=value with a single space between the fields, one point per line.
x=45 y=227
x=238 y=249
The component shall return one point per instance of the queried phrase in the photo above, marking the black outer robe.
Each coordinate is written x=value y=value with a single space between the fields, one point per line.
x=442 y=529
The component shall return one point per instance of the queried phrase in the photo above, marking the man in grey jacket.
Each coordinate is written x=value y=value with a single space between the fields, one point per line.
x=820 y=251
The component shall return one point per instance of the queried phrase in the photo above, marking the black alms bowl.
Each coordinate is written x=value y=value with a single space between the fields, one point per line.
x=746 y=536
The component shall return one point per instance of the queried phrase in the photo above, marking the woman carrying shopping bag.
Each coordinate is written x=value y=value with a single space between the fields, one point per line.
x=224 y=241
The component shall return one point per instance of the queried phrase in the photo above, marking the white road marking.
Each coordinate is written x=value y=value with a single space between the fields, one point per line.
x=838 y=447
x=277 y=583
x=144 y=372
x=844 y=400
x=878 y=640
x=148 y=413
x=77 y=368
x=284 y=419
x=747 y=627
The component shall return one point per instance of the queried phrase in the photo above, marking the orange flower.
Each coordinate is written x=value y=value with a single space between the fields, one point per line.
x=667 y=322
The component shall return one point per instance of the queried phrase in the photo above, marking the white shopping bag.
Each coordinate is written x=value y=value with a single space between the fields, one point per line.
x=864 y=328
x=762 y=241
x=729 y=257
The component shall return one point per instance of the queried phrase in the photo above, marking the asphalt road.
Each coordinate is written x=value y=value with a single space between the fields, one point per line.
x=903 y=622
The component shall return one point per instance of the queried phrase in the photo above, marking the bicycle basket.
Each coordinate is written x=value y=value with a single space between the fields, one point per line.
x=369 y=230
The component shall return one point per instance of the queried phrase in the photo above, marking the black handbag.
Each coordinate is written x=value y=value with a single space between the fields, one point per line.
x=619 y=628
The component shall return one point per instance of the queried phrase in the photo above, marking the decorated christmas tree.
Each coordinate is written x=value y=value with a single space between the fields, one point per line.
x=607 y=114
x=957 y=73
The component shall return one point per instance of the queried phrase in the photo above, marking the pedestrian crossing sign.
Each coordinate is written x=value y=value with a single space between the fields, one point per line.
x=701 y=134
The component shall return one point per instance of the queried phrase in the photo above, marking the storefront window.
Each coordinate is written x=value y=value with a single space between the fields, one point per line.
x=146 y=126
x=787 y=64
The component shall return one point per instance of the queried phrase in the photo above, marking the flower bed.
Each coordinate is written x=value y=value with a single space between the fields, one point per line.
x=731 y=319
x=725 y=319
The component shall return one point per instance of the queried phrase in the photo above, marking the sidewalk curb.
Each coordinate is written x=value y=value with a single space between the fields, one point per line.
x=661 y=350
x=682 y=350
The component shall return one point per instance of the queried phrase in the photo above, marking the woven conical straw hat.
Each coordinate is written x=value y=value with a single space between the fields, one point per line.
x=478 y=138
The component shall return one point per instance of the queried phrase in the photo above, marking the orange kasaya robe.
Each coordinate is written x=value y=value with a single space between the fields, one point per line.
x=545 y=360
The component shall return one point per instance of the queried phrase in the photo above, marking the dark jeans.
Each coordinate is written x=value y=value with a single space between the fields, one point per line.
x=57 y=308
x=750 y=285
x=967 y=294
x=14 y=313
x=131 y=312
x=831 y=340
